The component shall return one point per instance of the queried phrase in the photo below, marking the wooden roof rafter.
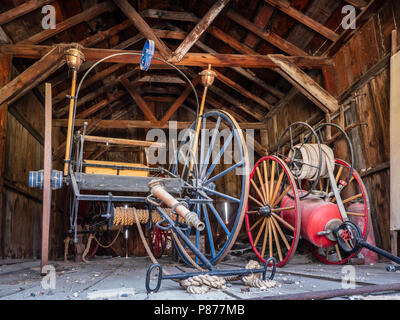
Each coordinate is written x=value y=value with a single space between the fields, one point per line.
x=284 y=6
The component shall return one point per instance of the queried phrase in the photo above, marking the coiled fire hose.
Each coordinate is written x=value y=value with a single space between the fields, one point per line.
x=310 y=159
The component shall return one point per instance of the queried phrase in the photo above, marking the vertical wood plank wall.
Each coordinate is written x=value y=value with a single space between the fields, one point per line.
x=21 y=212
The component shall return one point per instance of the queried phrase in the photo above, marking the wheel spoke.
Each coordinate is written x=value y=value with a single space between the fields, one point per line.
x=209 y=230
x=202 y=144
x=218 y=217
x=338 y=252
x=265 y=238
x=283 y=209
x=271 y=249
x=266 y=178
x=260 y=179
x=352 y=198
x=256 y=201
x=258 y=192
x=357 y=214
x=277 y=187
x=221 y=152
x=282 y=196
x=256 y=224
x=281 y=233
x=221 y=174
x=223 y=195
x=278 y=246
x=259 y=232
x=287 y=225
x=210 y=148
x=271 y=188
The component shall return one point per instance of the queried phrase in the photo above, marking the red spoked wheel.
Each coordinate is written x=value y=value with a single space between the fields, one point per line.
x=158 y=241
x=356 y=202
x=270 y=182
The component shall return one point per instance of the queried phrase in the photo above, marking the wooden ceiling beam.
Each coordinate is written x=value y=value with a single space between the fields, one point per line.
x=284 y=6
x=101 y=104
x=360 y=4
x=22 y=9
x=169 y=15
x=181 y=99
x=198 y=30
x=229 y=82
x=143 y=27
x=103 y=35
x=190 y=59
x=305 y=84
x=139 y=100
x=86 y=15
x=267 y=35
x=129 y=124
x=32 y=76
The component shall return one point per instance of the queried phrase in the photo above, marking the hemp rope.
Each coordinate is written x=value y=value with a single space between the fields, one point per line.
x=204 y=283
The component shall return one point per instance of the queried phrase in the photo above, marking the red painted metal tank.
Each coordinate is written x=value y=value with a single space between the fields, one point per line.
x=315 y=215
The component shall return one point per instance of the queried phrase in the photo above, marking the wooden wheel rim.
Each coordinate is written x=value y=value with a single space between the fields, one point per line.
x=296 y=231
x=367 y=218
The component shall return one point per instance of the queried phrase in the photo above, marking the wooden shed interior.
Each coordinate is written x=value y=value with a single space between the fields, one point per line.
x=277 y=62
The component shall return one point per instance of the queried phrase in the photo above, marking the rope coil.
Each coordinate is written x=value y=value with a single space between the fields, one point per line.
x=126 y=217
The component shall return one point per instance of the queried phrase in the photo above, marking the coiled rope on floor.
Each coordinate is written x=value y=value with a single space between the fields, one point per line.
x=310 y=159
x=204 y=283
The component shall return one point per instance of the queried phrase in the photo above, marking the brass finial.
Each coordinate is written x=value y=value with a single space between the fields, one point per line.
x=207 y=77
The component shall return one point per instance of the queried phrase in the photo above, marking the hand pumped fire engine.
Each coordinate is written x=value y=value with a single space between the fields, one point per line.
x=304 y=191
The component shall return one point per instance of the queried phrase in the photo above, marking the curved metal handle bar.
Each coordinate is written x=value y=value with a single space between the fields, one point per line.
x=348 y=143
x=135 y=54
x=274 y=262
x=312 y=132
x=148 y=273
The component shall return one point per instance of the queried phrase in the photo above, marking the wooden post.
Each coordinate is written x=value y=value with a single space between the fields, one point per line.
x=5 y=67
x=47 y=177
x=394 y=140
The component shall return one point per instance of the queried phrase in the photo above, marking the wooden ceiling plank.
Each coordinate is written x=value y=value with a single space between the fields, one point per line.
x=198 y=30
x=285 y=7
x=143 y=27
x=139 y=100
x=21 y=10
x=86 y=15
x=305 y=84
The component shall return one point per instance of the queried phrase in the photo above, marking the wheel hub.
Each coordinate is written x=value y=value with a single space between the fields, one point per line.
x=265 y=211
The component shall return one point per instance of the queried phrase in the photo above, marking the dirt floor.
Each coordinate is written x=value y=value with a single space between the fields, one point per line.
x=121 y=278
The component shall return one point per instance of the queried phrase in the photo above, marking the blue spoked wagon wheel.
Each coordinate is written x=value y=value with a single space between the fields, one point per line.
x=222 y=156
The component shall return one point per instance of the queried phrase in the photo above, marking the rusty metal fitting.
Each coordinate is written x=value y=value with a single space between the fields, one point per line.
x=192 y=219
